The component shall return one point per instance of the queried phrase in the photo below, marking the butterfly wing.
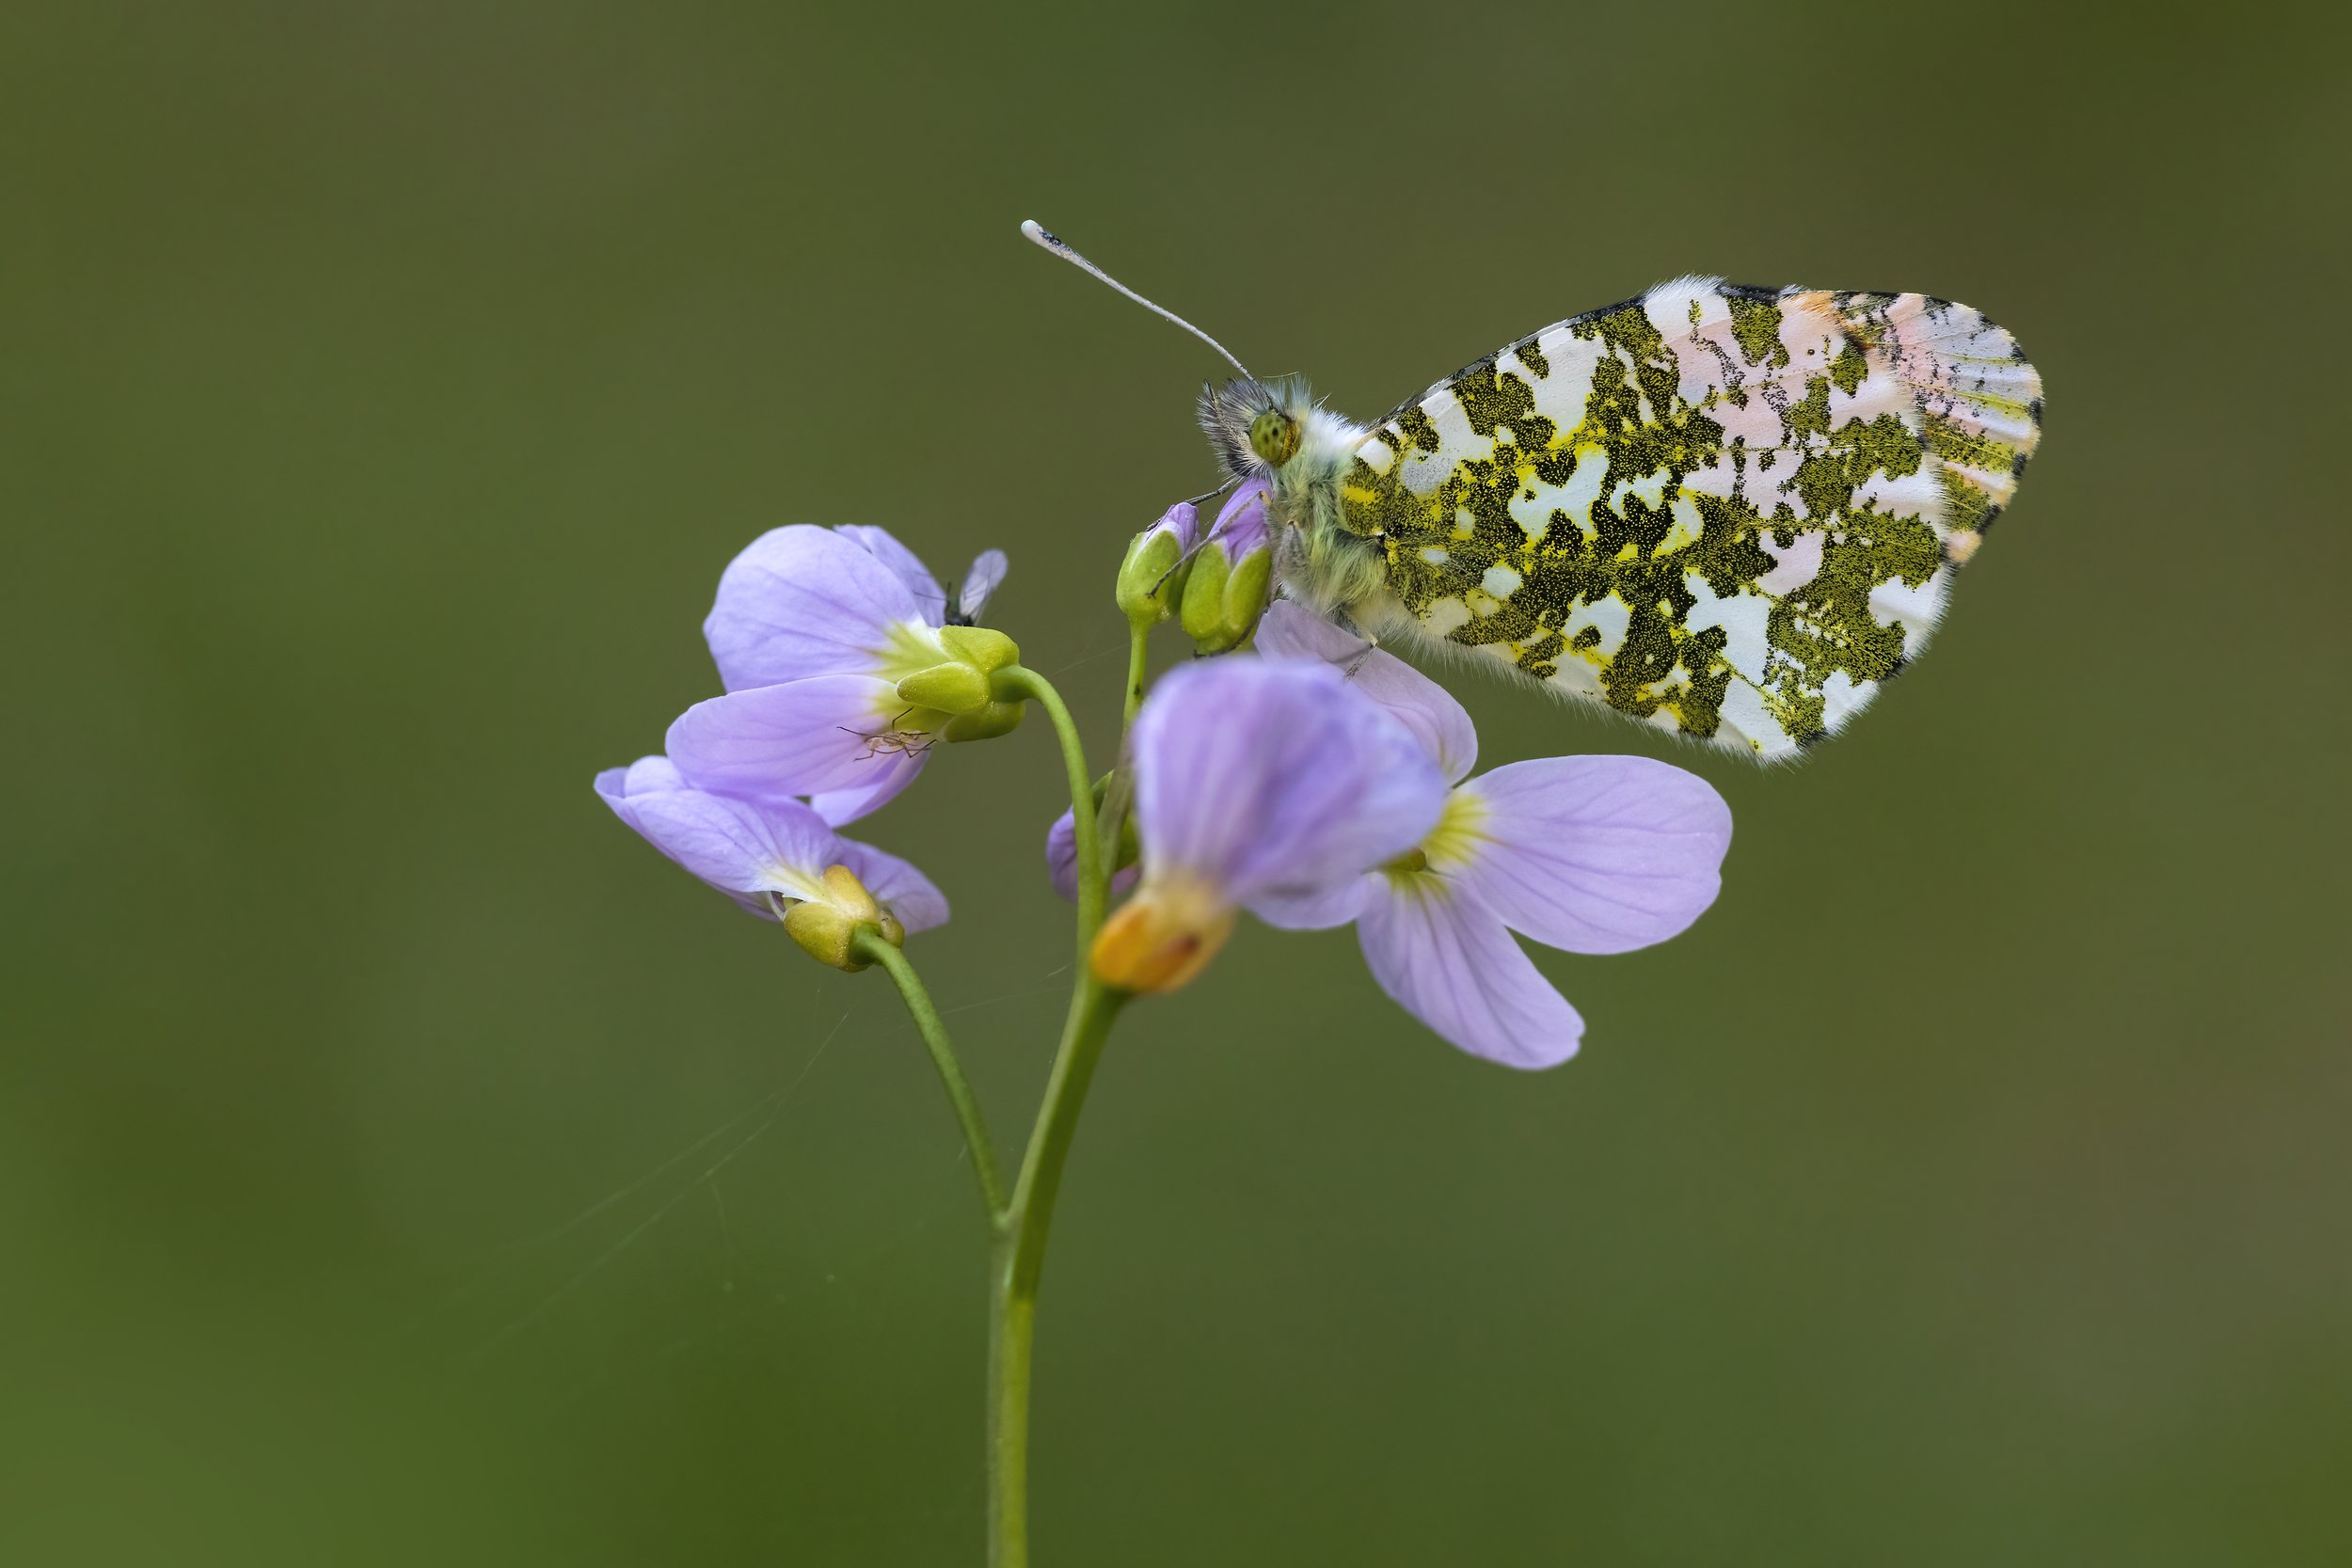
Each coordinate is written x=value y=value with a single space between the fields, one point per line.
x=1732 y=512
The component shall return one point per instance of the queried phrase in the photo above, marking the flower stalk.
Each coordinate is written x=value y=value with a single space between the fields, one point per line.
x=1018 y=1260
x=874 y=947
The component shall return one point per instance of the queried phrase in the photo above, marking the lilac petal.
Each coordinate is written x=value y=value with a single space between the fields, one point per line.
x=744 y=849
x=892 y=771
x=1183 y=520
x=980 y=584
x=1266 y=776
x=904 y=565
x=1596 y=854
x=804 y=601
x=1316 y=908
x=1420 y=705
x=619 y=789
x=1241 y=524
x=617 y=786
x=910 y=895
x=1061 y=860
x=1449 y=961
x=803 y=738
x=749 y=847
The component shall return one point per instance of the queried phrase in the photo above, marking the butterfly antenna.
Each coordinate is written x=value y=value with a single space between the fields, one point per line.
x=1049 y=240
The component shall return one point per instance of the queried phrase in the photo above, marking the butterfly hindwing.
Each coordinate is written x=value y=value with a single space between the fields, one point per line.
x=1733 y=512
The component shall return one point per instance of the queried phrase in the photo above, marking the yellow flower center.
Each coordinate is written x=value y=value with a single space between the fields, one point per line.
x=1461 y=828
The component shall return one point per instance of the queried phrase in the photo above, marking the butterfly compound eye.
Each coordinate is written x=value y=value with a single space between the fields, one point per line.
x=1274 y=435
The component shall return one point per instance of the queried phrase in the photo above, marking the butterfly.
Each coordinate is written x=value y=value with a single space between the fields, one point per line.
x=1731 y=512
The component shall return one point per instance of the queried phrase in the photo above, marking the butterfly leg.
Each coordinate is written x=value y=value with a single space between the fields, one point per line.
x=1372 y=645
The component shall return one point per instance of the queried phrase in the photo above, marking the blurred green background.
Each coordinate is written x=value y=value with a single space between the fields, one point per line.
x=399 y=1162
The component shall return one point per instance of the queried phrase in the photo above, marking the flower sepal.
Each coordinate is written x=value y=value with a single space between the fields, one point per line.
x=826 y=927
x=965 y=681
x=966 y=697
x=984 y=724
x=1163 y=936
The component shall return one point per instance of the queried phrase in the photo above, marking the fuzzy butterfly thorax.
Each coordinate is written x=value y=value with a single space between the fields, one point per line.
x=1321 y=561
x=1732 y=512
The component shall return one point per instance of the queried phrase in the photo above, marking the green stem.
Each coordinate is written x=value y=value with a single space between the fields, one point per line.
x=869 y=946
x=1138 y=640
x=1022 y=682
x=1120 y=796
x=1019 y=1262
x=1018 y=1258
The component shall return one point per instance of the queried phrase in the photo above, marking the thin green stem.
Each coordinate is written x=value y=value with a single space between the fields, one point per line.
x=1018 y=1259
x=1092 y=1010
x=1019 y=1263
x=1011 y=1335
x=870 y=947
x=1138 y=641
x=1120 y=796
x=1024 y=682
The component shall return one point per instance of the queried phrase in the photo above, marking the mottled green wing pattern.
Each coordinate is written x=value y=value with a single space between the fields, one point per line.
x=1732 y=512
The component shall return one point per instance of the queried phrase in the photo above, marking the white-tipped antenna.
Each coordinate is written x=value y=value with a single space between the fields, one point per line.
x=1050 y=240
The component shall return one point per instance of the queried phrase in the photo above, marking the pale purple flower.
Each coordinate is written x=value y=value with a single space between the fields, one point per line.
x=749 y=849
x=812 y=630
x=1256 y=781
x=1595 y=854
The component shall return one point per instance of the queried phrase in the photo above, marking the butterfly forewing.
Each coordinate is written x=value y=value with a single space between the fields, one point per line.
x=1730 y=511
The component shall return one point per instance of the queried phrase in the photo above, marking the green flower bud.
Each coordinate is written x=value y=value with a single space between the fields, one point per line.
x=1203 y=612
x=1151 y=577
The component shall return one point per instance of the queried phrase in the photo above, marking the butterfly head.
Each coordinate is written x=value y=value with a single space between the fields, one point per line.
x=1256 y=427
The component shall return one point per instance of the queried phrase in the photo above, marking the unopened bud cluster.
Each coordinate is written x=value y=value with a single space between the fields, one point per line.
x=1216 y=585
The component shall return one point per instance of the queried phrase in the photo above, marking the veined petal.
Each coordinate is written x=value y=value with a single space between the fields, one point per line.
x=1450 y=963
x=804 y=601
x=1441 y=724
x=892 y=771
x=744 y=849
x=802 y=737
x=910 y=895
x=1061 y=860
x=1241 y=522
x=1315 y=910
x=1262 y=777
x=620 y=787
x=1591 y=854
x=904 y=565
x=617 y=786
